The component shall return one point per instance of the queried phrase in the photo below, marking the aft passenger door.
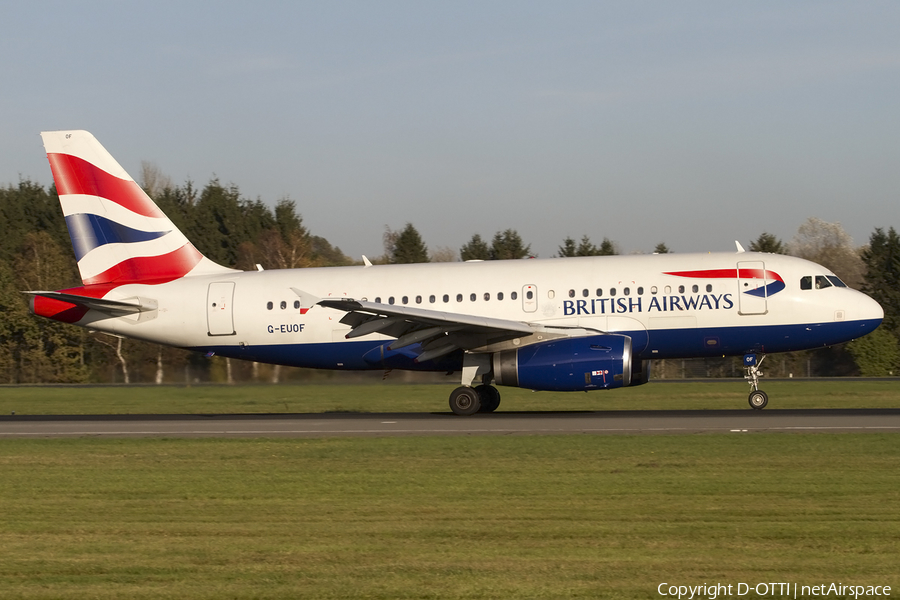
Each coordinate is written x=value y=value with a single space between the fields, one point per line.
x=752 y=288
x=219 y=312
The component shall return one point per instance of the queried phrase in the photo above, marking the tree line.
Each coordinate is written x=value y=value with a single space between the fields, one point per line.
x=35 y=254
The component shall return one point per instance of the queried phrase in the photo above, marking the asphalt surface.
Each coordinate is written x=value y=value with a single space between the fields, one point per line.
x=406 y=424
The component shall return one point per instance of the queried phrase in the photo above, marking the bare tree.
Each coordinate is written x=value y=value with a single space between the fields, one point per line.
x=443 y=254
x=153 y=180
x=830 y=246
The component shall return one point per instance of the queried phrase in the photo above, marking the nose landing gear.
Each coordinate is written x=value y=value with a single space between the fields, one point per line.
x=758 y=398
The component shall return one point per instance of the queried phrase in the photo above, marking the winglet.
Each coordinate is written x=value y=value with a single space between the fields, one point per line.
x=740 y=248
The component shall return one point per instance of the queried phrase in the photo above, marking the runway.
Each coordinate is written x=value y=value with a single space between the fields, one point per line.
x=429 y=424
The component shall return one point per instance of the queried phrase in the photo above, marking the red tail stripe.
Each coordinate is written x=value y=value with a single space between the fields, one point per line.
x=150 y=269
x=77 y=176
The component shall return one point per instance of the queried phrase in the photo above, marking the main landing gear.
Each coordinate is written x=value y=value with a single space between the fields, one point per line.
x=758 y=398
x=467 y=400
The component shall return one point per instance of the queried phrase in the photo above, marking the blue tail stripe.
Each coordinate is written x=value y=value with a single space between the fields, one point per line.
x=92 y=231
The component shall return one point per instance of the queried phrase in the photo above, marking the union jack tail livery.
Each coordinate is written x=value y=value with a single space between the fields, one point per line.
x=118 y=233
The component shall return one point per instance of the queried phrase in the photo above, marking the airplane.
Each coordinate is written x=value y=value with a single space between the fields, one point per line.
x=558 y=324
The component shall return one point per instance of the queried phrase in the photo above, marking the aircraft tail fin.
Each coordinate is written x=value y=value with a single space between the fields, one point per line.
x=118 y=233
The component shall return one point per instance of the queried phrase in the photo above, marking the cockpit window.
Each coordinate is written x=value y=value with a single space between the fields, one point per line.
x=822 y=282
x=836 y=281
x=806 y=282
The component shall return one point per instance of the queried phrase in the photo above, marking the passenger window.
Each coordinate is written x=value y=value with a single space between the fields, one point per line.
x=269 y=305
x=585 y=293
x=599 y=292
x=530 y=295
x=626 y=291
x=551 y=294
x=378 y=299
x=612 y=291
x=405 y=299
x=283 y=305
x=653 y=289
x=431 y=299
x=806 y=283
x=708 y=287
x=472 y=297
x=459 y=297
x=668 y=289
x=418 y=299
x=296 y=304
x=680 y=289
x=487 y=296
x=822 y=282
x=446 y=298
x=695 y=289
x=514 y=295
x=499 y=295
x=571 y=293
x=391 y=300
x=640 y=291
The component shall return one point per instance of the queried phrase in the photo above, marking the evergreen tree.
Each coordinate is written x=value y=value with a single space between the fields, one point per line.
x=476 y=249
x=882 y=275
x=876 y=354
x=508 y=245
x=607 y=248
x=408 y=247
x=568 y=249
x=661 y=248
x=586 y=248
x=766 y=242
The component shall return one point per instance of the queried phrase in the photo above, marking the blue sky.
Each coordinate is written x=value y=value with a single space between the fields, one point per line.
x=689 y=123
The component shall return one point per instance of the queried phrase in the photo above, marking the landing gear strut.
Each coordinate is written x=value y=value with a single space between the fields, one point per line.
x=758 y=398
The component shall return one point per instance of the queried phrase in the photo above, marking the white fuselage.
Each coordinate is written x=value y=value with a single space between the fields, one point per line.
x=673 y=305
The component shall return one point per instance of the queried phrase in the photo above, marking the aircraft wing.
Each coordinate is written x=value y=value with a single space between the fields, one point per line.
x=438 y=332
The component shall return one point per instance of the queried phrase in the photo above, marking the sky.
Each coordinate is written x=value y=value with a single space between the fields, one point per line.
x=693 y=124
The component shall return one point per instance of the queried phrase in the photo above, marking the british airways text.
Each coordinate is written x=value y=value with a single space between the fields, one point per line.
x=610 y=306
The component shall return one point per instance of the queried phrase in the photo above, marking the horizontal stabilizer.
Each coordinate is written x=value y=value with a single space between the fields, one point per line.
x=128 y=306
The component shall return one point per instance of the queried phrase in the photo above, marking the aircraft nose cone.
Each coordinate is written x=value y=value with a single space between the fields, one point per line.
x=869 y=310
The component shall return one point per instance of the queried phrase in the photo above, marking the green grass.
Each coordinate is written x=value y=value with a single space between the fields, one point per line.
x=459 y=517
x=386 y=397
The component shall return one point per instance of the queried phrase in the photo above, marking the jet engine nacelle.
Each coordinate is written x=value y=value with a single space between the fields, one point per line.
x=572 y=364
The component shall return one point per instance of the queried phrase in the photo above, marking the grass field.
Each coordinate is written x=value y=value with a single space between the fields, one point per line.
x=443 y=517
x=387 y=397
x=460 y=517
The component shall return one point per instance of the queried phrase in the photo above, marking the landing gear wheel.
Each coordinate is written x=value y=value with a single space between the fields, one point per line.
x=490 y=398
x=465 y=401
x=758 y=400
